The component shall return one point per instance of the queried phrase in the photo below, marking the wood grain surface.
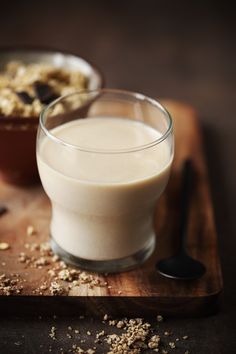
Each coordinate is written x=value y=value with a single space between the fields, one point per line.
x=142 y=290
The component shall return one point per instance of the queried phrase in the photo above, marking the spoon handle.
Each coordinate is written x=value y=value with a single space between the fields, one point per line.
x=185 y=199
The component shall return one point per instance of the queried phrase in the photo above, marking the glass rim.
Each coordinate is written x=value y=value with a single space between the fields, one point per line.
x=136 y=95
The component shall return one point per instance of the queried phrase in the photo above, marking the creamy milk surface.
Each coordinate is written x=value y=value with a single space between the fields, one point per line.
x=103 y=202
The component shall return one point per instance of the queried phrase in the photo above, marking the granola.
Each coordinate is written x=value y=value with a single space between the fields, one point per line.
x=26 y=89
x=4 y=246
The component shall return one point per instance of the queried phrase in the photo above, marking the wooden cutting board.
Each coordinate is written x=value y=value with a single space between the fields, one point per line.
x=143 y=290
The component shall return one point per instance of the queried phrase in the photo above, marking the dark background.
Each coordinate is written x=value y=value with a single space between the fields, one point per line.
x=175 y=49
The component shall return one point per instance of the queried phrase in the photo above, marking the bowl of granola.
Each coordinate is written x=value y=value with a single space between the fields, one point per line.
x=29 y=80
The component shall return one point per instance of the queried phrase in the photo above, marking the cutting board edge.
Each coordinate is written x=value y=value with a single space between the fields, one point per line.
x=115 y=306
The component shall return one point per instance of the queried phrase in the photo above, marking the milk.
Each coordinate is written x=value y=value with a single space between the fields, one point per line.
x=103 y=197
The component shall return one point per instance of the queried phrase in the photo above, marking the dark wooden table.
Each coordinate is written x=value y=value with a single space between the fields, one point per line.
x=177 y=50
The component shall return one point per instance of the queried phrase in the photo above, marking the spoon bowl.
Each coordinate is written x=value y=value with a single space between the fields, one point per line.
x=182 y=267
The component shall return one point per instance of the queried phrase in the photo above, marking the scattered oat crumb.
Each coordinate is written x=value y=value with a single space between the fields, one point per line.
x=23 y=258
x=41 y=261
x=4 y=246
x=132 y=340
x=18 y=343
x=134 y=337
x=52 y=333
x=77 y=349
x=120 y=324
x=43 y=287
x=52 y=272
x=30 y=230
x=68 y=274
x=55 y=258
x=63 y=278
x=172 y=345
x=10 y=285
x=56 y=289
x=90 y=351
x=100 y=334
x=154 y=342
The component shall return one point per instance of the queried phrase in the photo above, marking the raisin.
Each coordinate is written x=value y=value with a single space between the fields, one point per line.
x=25 y=97
x=44 y=92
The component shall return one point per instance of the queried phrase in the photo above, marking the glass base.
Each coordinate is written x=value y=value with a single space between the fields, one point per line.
x=109 y=266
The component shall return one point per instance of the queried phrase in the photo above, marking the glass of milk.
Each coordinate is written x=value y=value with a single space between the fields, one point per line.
x=104 y=159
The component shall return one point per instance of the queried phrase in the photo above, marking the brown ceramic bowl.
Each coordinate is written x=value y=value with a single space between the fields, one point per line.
x=17 y=134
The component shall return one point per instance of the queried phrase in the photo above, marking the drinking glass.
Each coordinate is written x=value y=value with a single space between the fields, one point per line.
x=104 y=158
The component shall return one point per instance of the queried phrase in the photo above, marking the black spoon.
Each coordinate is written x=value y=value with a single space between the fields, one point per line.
x=181 y=265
